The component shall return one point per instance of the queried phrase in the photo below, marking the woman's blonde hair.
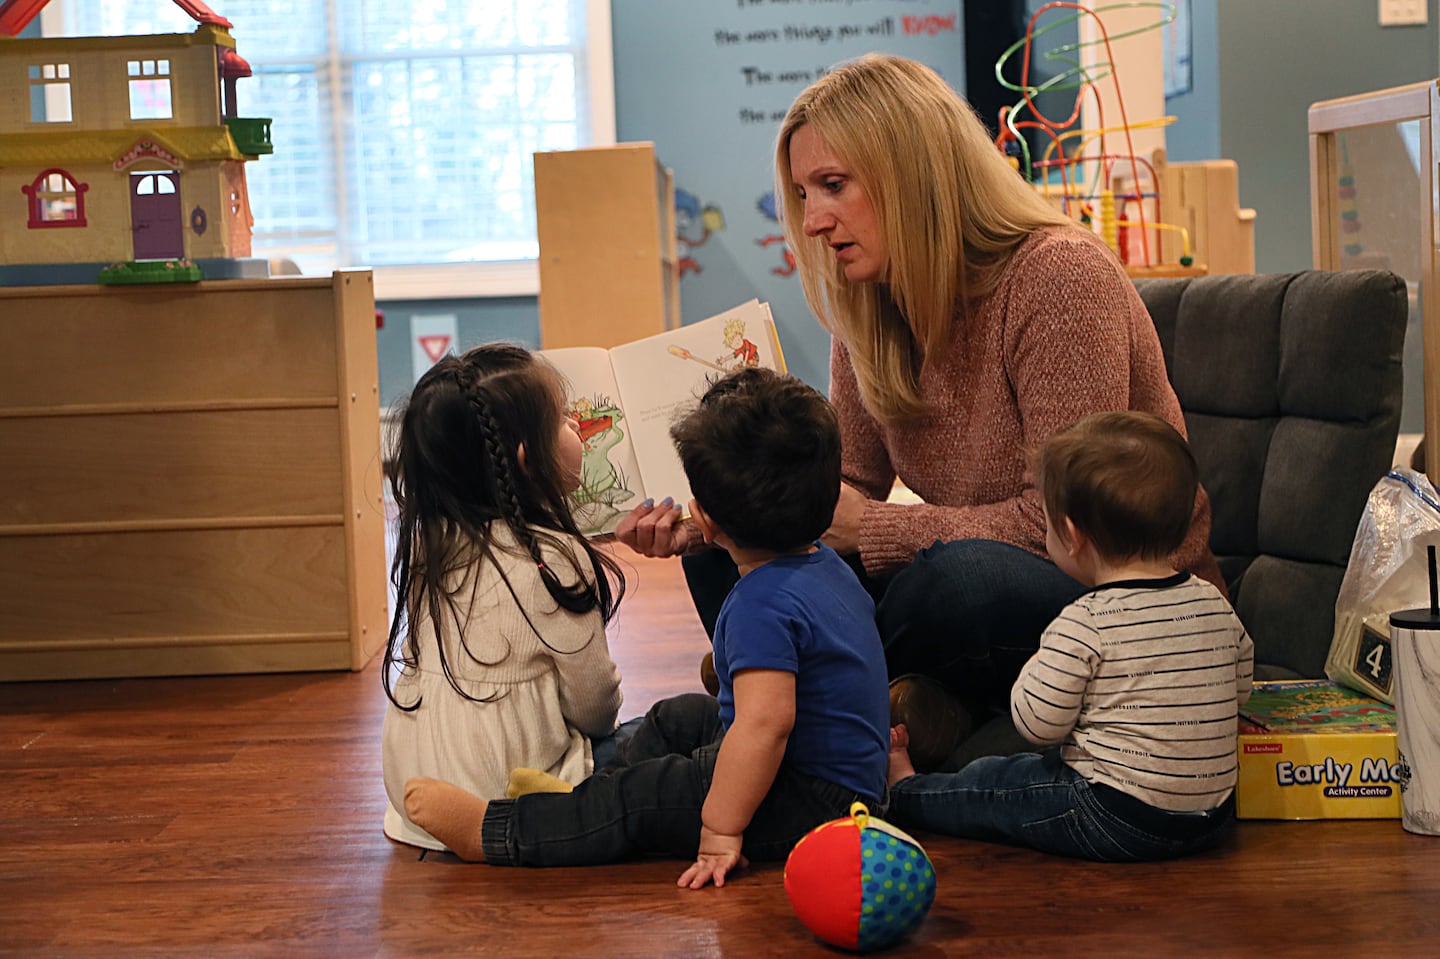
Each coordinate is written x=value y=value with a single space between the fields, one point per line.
x=950 y=207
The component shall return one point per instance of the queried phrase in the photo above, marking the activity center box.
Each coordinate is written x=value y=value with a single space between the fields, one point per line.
x=1311 y=749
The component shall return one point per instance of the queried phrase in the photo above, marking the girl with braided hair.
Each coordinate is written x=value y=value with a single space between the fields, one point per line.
x=497 y=657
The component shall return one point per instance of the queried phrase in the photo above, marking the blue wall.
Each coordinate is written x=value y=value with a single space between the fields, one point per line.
x=514 y=318
x=709 y=88
x=1195 y=134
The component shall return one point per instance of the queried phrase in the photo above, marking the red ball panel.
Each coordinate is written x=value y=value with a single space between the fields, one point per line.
x=822 y=879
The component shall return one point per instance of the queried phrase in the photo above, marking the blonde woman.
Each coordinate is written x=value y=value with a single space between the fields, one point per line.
x=970 y=320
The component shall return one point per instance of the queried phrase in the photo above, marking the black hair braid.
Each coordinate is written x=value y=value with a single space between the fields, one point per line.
x=505 y=481
x=576 y=597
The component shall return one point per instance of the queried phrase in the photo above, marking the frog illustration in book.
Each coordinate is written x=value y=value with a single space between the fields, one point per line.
x=603 y=485
x=766 y=206
x=694 y=226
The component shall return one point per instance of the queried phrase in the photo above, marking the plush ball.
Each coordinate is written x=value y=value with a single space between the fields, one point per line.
x=858 y=882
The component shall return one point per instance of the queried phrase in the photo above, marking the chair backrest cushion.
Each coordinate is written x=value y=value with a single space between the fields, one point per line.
x=1291 y=389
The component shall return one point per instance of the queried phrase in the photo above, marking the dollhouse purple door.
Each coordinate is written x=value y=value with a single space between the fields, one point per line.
x=155 y=214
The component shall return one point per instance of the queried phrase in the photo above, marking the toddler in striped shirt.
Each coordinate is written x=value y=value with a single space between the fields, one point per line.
x=1135 y=691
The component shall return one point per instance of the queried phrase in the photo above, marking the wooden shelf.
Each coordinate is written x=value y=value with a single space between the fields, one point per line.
x=192 y=480
x=1164 y=270
x=605 y=218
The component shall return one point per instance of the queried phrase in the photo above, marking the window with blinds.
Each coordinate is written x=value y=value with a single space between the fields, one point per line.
x=403 y=129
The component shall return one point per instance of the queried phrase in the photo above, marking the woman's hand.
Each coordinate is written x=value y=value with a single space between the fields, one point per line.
x=843 y=536
x=655 y=529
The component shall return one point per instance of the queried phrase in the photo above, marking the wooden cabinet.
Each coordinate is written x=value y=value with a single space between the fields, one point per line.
x=191 y=479
x=605 y=218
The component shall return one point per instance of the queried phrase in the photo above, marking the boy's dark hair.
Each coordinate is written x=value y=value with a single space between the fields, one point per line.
x=1127 y=480
x=762 y=453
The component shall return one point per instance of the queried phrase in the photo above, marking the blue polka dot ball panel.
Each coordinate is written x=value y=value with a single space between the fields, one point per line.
x=897 y=885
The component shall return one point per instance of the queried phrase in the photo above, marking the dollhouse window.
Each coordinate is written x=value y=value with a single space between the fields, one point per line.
x=149 y=89
x=151 y=184
x=56 y=200
x=50 y=93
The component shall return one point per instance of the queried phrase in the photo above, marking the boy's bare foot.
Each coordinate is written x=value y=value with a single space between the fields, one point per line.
x=899 y=766
x=448 y=813
x=708 y=677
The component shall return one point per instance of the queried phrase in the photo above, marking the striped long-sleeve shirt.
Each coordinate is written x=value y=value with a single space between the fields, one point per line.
x=1141 y=682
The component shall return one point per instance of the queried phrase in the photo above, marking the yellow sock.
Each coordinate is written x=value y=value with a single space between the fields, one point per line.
x=524 y=781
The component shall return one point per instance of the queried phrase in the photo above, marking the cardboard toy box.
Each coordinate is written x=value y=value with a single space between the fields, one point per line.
x=1310 y=749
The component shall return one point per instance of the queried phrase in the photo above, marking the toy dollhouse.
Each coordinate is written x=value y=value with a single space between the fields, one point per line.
x=123 y=154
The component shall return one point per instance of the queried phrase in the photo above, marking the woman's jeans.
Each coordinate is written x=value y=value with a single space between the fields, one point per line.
x=968 y=613
x=1036 y=800
x=605 y=750
x=648 y=801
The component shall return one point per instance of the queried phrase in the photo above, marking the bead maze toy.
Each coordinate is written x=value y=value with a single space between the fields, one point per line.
x=124 y=154
x=1159 y=218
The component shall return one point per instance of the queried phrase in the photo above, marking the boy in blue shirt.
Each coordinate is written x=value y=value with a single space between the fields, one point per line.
x=800 y=729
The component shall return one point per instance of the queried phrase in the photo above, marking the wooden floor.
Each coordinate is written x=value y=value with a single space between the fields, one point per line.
x=240 y=817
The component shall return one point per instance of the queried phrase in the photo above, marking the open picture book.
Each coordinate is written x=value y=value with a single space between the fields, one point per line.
x=625 y=398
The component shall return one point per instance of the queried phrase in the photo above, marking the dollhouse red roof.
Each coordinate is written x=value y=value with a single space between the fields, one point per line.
x=15 y=15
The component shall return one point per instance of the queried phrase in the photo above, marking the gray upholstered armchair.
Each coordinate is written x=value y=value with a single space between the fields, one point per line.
x=1291 y=386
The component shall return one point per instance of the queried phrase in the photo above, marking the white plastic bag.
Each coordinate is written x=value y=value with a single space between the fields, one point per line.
x=1387 y=571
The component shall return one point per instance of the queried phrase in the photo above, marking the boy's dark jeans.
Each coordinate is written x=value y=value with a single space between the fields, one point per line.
x=648 y=803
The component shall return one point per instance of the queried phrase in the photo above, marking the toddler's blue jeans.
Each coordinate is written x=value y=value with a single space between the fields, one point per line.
x=1036 y=800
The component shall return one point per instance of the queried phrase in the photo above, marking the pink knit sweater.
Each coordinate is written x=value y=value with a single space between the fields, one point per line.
x=1064 y=334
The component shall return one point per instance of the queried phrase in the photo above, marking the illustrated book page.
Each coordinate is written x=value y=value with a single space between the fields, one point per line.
x=624 y=399
x=610 y=482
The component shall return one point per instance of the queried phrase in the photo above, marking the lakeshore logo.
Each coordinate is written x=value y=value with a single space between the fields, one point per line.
x=1252 y=748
